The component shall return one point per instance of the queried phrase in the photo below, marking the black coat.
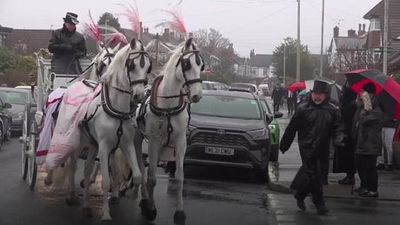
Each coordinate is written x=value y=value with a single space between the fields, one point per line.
x=367 y=130
x=67 y=48
x=344 y=157
x=315 y=126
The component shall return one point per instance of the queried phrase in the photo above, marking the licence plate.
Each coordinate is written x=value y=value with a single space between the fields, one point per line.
x=219 y=150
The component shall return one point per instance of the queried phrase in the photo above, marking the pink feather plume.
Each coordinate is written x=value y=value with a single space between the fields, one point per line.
x=177 y=23
x=132 y=13
x=92 y=29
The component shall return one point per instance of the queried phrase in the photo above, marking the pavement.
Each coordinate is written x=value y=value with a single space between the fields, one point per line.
x=289 y=163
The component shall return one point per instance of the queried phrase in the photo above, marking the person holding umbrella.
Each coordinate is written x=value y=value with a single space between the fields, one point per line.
x=316 y=121
x=366 y=131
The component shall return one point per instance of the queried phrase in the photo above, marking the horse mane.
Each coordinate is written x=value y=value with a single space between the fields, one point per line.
x=116 y=67
x=115 y=72
x=170 y=66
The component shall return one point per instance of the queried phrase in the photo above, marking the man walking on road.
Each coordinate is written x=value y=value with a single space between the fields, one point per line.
x=316 y=121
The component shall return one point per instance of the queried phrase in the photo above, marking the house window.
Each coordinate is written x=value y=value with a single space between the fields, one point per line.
x=375 y=24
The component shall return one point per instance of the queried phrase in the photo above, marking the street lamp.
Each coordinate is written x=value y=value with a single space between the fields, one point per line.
x=298 y=43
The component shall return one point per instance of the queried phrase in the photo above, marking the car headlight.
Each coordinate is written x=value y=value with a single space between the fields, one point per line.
x=259 y=133
x=18 y=116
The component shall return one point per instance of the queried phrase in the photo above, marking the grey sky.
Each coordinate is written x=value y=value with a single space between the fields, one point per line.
x=258 y=24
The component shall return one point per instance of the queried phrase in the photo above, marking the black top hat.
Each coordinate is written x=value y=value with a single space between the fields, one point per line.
x=71 y=18
x=321 y=87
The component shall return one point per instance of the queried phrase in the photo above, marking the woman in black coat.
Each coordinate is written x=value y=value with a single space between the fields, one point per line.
x=367 y=131
x=316 y=121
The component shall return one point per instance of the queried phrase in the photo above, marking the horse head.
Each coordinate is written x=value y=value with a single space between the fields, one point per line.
x=103 y=59
x=188 y=68
x=128 y=70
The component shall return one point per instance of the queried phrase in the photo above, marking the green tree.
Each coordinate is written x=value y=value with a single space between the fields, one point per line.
x=110 y=20
x=7 y=60
x=218 y=54
x=308 y=65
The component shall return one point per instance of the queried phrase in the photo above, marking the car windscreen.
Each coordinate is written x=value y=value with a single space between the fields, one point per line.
x=12 y=97
x=245 y=86
x=227 y=106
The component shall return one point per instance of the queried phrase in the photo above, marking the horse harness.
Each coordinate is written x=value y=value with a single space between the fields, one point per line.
x=109 y=109
x=170 y=112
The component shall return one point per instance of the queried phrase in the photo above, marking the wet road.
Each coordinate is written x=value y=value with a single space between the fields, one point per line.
x=212 y=196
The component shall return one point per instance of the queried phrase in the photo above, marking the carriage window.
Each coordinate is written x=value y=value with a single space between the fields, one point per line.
x=227 y=106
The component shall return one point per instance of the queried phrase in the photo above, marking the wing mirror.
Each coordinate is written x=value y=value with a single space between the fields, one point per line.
x=278 y=114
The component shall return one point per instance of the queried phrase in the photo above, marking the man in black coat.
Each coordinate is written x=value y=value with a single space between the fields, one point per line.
x=67 y=46
x=276 y=96
x=344 y=161
x=316 y=121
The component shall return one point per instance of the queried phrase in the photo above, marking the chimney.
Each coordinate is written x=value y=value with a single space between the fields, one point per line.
x=360 y=31
x=166 y=34
x=351 y=33
x=364 y=27
x=336 y=31
x=252 y=53
x=146 y=30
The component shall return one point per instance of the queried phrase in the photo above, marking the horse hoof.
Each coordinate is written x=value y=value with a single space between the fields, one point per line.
x=106 y=217
x=151 y=214
x=87 y=212
x=143 y=204
x=113 y=200
x=179 y=217
x=71 y=201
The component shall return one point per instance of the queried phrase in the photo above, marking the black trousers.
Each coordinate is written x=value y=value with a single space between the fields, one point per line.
x=366 y=168
x=276 y=106
x=312 y=172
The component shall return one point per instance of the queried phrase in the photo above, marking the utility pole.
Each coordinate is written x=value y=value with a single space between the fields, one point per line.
x=385 y=36
x=298 y=43
x=321 y=60
x=284 y=64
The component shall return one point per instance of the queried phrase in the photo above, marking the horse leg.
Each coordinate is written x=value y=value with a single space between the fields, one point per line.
x=116 y=177
x=150 y=211
x=138 y=140
x=103 y=155
x=72 y=199
x=179 y=177
x=89 y=162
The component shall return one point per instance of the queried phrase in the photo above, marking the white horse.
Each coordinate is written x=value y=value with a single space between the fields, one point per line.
x=166 y=120
x=94 y=72
x=109 y=125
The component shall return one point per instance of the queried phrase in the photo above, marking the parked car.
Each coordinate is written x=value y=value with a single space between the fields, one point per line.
x=5 y=120
x=244 y=86
x=273 y=126
x=18 y=98
x=229 y=128
x=264 y=89
x=214 y=85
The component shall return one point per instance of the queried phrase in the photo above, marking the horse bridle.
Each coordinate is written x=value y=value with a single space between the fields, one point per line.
x=130 y=65
x=185 y=66
x=99 y=69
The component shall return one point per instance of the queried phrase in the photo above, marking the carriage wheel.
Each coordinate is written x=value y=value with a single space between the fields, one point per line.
x=24 y=149
x=31 y=155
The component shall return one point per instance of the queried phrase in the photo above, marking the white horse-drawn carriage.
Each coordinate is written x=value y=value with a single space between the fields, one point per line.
x=46 y=82
x=110 y=119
